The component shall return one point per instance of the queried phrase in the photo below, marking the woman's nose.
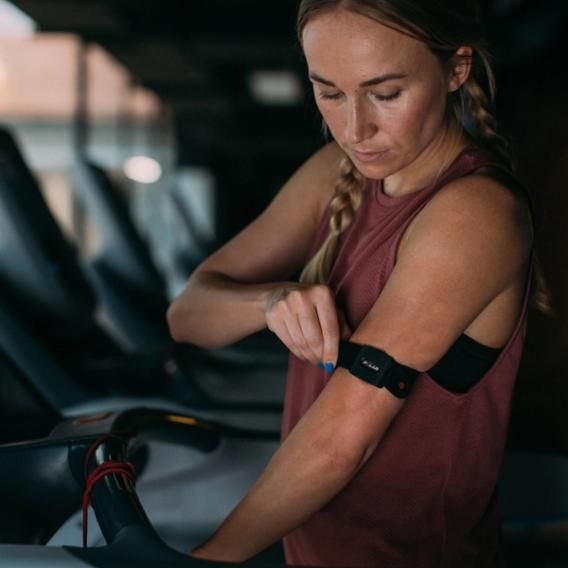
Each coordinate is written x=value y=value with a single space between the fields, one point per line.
x=359 y=125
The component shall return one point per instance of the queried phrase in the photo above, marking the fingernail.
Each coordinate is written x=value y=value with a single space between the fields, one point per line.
x=329 y=367
x=321 y=366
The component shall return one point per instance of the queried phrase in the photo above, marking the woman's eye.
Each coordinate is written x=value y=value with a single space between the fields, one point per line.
x=329 y=96
x=390 y=97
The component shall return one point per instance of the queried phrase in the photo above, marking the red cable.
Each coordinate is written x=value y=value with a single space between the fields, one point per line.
x=112 y=466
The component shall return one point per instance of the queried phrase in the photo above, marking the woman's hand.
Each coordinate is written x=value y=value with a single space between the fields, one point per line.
x=198 y=553
x=307 y=321
x=202 y=554
x=220 y=553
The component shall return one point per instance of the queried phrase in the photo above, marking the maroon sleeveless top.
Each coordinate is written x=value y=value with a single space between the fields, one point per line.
x=426 y=497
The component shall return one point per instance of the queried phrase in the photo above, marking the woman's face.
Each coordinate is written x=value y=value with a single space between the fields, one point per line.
x=381 y=93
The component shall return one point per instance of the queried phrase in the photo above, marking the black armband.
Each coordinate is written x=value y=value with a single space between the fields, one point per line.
x=376 y=368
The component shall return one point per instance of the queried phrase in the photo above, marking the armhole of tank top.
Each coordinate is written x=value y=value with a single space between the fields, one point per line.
x=468 y=359
x=465 y=363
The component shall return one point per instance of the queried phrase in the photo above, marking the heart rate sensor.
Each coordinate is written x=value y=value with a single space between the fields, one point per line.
x=376 y=368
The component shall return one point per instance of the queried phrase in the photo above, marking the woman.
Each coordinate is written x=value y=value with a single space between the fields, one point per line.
x=415 y=243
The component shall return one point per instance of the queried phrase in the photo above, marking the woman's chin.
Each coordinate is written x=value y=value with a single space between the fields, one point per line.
x=371 y=170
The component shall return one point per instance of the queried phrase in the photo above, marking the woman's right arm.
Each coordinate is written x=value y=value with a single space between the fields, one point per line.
x=227 y=295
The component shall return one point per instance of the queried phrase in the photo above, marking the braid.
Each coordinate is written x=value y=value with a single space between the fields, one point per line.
x=478 y=103
x=541 y=297
x=474 y=98
x=343 y=206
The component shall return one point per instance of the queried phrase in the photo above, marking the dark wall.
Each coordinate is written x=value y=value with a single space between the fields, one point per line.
x=530 y=46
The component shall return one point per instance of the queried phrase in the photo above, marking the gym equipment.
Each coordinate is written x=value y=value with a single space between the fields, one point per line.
x=127 y=282
x=48 y=292
x=44 y=466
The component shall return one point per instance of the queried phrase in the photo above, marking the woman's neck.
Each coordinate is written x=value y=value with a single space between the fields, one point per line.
x=430 y=164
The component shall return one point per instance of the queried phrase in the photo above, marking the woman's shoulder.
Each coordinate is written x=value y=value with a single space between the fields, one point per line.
x=475 y=210
x=314 y=182
x=324 y=165
x=488 y=195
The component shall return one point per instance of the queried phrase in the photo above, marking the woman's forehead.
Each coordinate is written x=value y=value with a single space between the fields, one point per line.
x=342 y=39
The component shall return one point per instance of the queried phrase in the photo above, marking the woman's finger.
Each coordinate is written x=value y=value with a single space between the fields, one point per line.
x=302 y=323
x=327 y=315
x=298 y=339
x=306 y=321
x=311 y=330
x=279 y=327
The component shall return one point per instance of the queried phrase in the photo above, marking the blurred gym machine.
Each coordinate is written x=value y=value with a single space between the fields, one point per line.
x=42 y=455
x=44 y=288
x=48 y=462
x=61 y=363
x=130 y=288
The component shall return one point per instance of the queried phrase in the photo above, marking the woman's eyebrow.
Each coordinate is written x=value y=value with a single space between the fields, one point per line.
x=368 y=83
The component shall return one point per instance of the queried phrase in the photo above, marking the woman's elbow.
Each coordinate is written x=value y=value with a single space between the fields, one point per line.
x=183 y=327
x=180 y=325
x=176 y=322
x=349 y=448
x=341 y=457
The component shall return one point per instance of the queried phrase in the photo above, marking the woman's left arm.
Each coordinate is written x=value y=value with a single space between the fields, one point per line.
x=469 y=245
x=317 y=459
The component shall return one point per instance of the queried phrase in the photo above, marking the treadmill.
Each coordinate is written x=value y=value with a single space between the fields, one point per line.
x=188 y=481
x=129 y=286
x=47 y=290
x=191 y=472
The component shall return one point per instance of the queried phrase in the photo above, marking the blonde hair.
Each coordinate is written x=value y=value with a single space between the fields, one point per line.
x=343 y=206
x=443 y=28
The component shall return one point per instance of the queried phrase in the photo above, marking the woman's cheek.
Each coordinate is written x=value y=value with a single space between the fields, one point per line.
x=419 y=119
x=333 y=117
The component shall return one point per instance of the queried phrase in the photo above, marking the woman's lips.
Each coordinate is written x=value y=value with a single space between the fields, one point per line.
x=369 y=156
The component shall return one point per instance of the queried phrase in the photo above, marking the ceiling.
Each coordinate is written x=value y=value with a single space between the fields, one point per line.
x=198 y=56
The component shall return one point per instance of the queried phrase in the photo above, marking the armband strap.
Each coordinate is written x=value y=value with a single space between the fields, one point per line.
x=376 y=368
